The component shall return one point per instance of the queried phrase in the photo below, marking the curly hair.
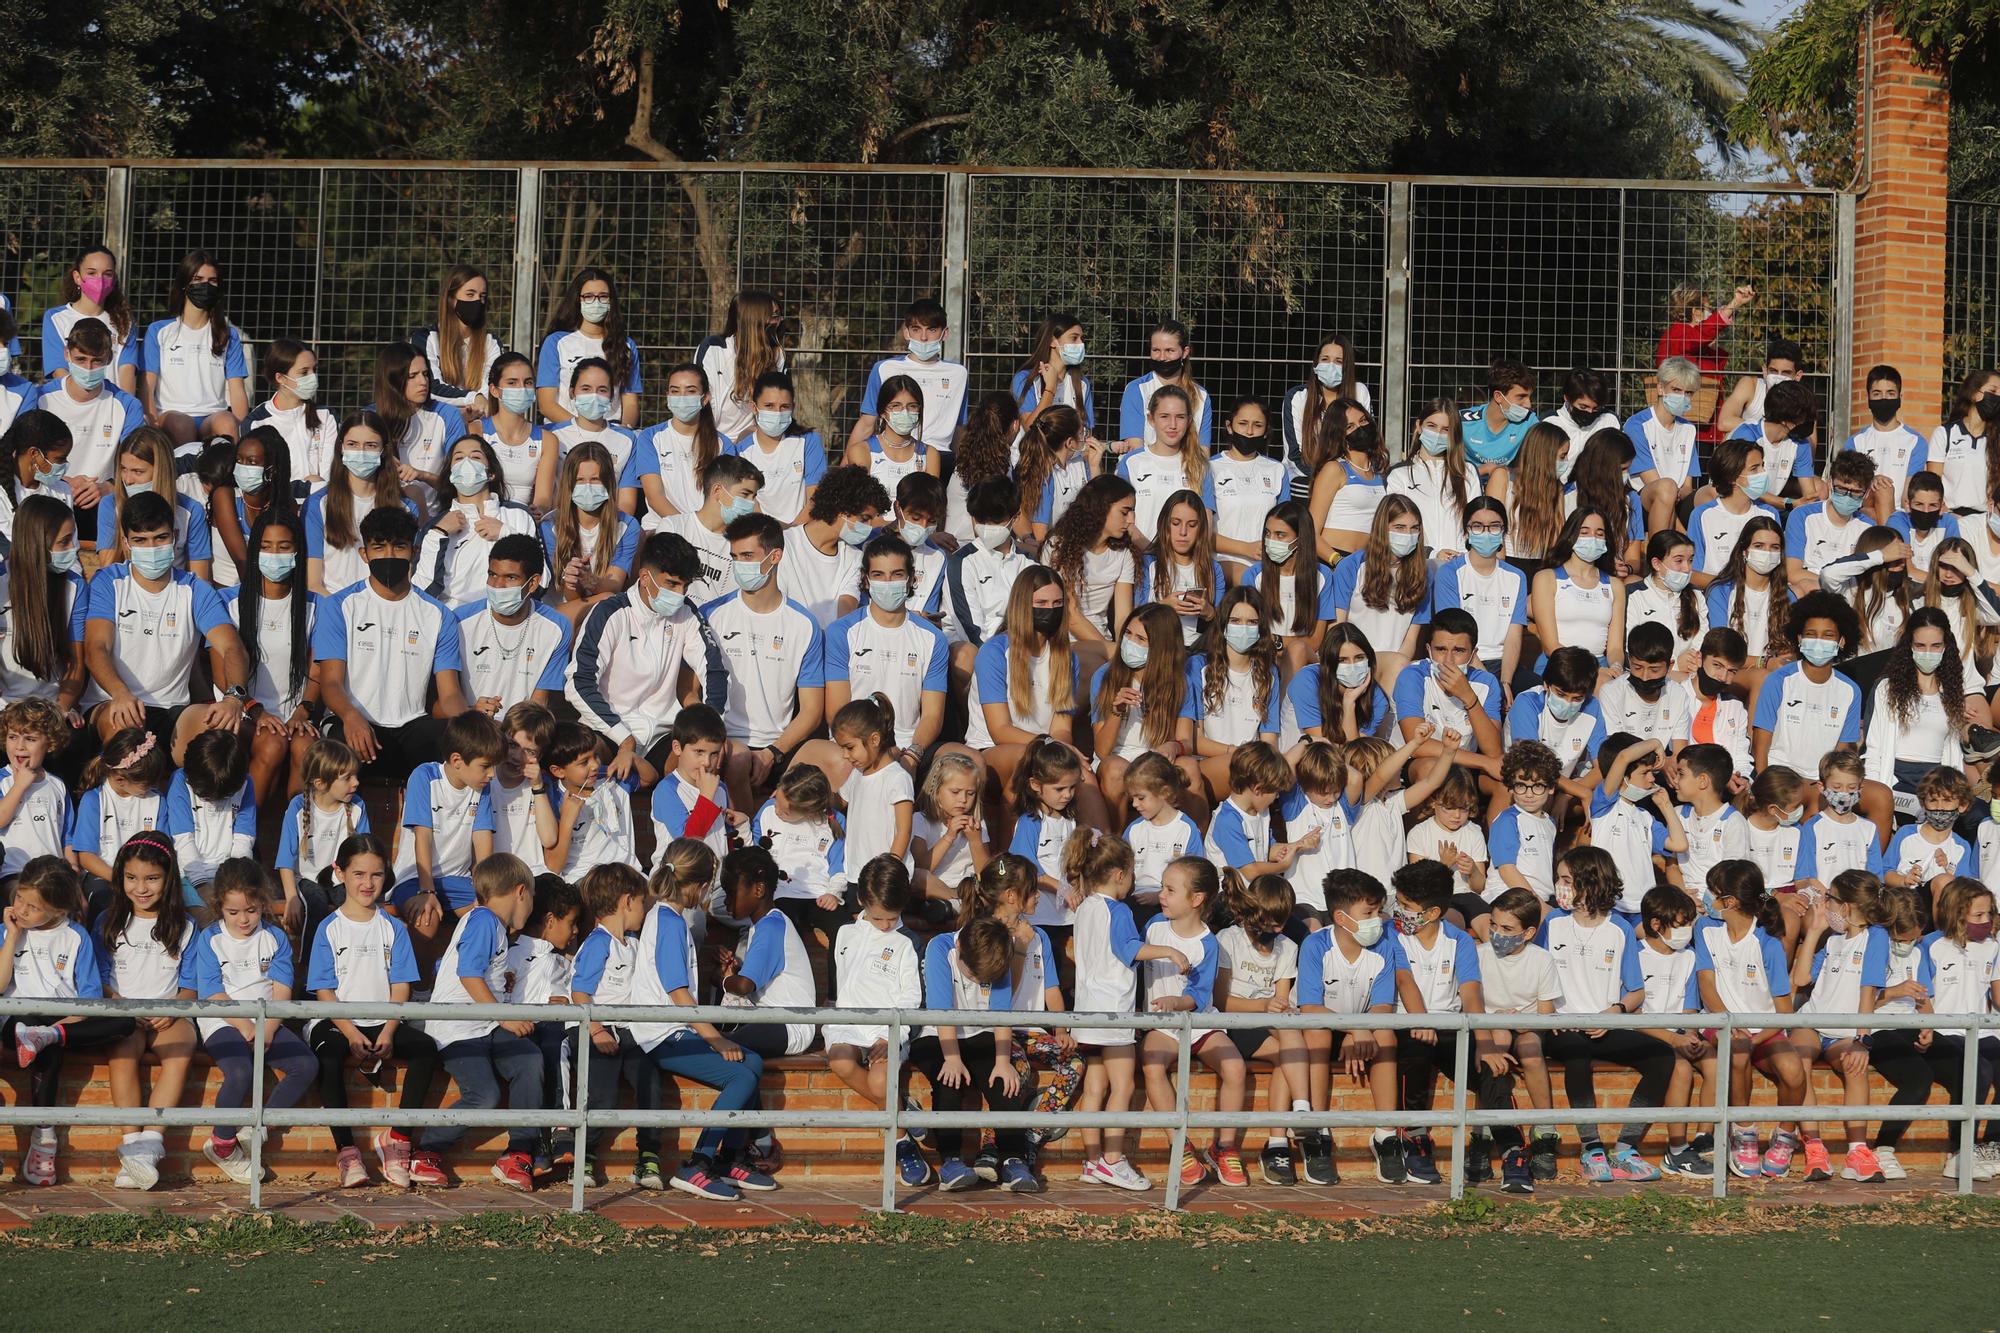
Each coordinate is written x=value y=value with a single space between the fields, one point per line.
x=848 y=490
x=1080 y=529
x=985 y=447
x=1822 y=605
x=1902 y=686
x=1263 y=654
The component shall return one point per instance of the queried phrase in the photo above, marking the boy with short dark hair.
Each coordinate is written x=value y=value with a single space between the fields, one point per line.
x=920 y=513
x=1898 y=450
x=1642 y=701
x=1494 y=429
x=1923 y=522
x=1349 y=967
x=448 y=827
x=1929 y=853
x=1819 y=533
x=1716 y=829
x=1239 y=834
x=539 y=962
x=593 y=815
x=210 y=810
x=690 y=801
x=943 y=382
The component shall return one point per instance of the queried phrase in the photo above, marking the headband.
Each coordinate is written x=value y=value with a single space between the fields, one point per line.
x=139 y=751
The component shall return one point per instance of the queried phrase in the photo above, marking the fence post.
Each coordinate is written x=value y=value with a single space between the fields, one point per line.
x=117 y=216
x=1394 y=405
x=892 y=1083
x=580 y=1135
x=1461 y=1066
x=1184 y=1037
x=1726 y=1035
x=1968 y=1098
x=1840 y=398
x=527 y=265
x=257 y=1113
x=956 y=287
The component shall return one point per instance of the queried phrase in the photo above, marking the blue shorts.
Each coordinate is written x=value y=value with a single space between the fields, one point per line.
x=454 y=891
x=1632 y=919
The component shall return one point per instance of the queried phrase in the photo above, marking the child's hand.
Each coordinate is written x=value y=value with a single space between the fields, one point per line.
x=1423 y=731
x=953 y=1073
x=1310 y=843
x=1072 y=897
x=728 y=962
x=520 y=1027
x=1065 y=1043
x=1451 y=740
x=879 y=1050
x=1448 y=853
x=728 y=1050
x=736 y=818
x=1284 y=854
x=1923 y=1041
x=1854 y=1060
x=1358 y=1052
x=13 y=918
x=1495 y=1063
x=1274 y=1005
x=1428 y=1036
x=1005 y=1078
x=1465 y=865
x=602 y=1039
x=827 y=902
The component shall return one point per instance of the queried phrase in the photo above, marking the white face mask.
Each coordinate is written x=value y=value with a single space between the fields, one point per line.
x=1680 y=937
x=1763 y=561
x=992 y=536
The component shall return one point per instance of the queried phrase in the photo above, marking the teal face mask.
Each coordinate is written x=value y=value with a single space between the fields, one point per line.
x=153 y=561
x=518 y=398
x=737 y=506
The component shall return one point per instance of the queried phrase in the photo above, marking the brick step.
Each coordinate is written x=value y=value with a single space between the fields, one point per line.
x=305 y=1153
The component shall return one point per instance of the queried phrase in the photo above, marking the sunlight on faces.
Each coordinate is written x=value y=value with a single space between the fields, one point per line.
x=145 y=886
x=33 y=911
x=1169 y=416
x=240 y=915
x=1679 y=558
x=1249 y=422
x=365 y=879
x=1506 y=923
x=1453 y=650
x=135 y=470
x=26 y=750
x=699 y=756
x=1055 y=795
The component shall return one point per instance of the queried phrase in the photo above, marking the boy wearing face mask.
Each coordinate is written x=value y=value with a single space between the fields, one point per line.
x=1516 y=976
x=822 y=569
x=920 y=506
x=1632 y=819
x=1562 y=714
x=1667 y=964
x=979 y=576
x=1928 y=854
x=1716 y=715
x=641 y=654
x=1350 y=967
x=776 y=653
x=1922 y=523
x=515 y=646
x=1493 y=430
x=1838 y=838
x=1818 y=533
x=98 y=413
x=1665 y=460
x=942 y=382
x=1640 y=701
x=1716 y=830
x=1785 y=436
x=1898 y=450
x=729 y=486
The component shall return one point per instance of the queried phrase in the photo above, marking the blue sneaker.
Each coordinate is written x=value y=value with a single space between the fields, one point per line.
x=954 y=1175
x=1627 y=1164
x=747 y=1177
x=1016 y=1178
x=1595 y=1165
x=911 y=1166
x=699 y=1178
x=1420 y=1160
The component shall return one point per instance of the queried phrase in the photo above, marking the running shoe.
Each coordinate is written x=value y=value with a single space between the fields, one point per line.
x=646 y=1172
x=1193 y=1169
x=1274 y=1164
x=1542 y=1156
x=1392 y=1164
x=1778 y=1157
x=987 y=1164
x=1228 y=1164
x=427 y=1168
x=392 y=1150
x=1478 y=1159
x=911 y=1166
x=136 y=1171
x=230 y=1159
x=1885 y=1158
x=746 y=1177
x=1120 y=1174
x=1595 y=1165
x=766 y=1153
x=1819 y=1165
x=1685 y=1161
x=39 y=1168
x=353 y=1175
x=954 y=1175
x=515 y=1170
x=1316 y=1152
x=699 y=1178
x=1517 y=1172
x=30 y=1042
x=1627 y=1164
x=1863 y=1165
x=1746 y=1158
x=1016 y=1178
x=1420 y=1160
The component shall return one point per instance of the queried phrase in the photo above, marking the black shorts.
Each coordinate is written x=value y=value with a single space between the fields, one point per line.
x=1249 y=1040
x=398 y=750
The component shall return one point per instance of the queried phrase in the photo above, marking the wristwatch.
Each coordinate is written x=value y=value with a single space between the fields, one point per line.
x=240 y=693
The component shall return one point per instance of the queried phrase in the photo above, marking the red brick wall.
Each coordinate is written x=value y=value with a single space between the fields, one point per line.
x=1902 y=136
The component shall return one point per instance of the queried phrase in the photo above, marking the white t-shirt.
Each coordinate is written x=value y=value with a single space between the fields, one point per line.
x=1427 y=838
x=1253 y=973
x=772 y=655
x=1519 y=984
x=871 y=800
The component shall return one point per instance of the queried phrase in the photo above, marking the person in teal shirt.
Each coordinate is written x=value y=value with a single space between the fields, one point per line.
x=1494 y=430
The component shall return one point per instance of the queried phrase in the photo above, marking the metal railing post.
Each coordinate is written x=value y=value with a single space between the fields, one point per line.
x=956 y=285
x=1968 y=1097
x=1184 y=1038
x=1840 y=397
x=580 y=1134
x=527 y=262
x=892 y=1098
x=257 y=1112
x=1461 y=1066
x=1724 y=1058
x=1394 y=404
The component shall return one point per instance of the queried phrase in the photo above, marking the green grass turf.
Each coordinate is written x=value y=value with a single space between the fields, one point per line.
x=1875 y=1275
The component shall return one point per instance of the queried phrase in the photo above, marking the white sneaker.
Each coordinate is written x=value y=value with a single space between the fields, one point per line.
x=39 y=1168
x=1121 y=1174
x=1891 y=1168
x=136 y=1171
x=1986 y=1161
x=235 y=1164
x=30 y=1042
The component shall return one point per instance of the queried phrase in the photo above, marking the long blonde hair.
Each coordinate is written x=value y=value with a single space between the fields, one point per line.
x=157 y=447
x=1194 y=456
x=1020 y=628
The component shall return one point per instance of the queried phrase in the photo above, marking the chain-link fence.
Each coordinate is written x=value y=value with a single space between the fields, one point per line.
x=1429 y=279
x=1972 y=290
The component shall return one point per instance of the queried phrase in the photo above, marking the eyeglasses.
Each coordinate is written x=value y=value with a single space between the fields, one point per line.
x=1849 y=492
x=1533 y=788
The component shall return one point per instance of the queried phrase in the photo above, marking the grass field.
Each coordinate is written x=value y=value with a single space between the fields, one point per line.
x=1692 y=1266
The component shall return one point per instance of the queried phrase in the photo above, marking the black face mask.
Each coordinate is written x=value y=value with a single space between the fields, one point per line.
x=1047 y=620
x=472 y=314
x=1707 y=684
x=1166 y=370
x=391 y=571
x=1884 y=410
x=1249 y=444
x=1989 y=407
x=1893 y=580
x=1923 y=521
x=203 y=295
x=1581 y=417
x=1649 y=690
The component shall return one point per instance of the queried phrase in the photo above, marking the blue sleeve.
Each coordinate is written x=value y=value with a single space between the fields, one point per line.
x=200 y=546
x=233 y=365
x=449 y=654
x=1444 y=585
x=548 y=366
x=1046 y=506
x=88 y=975
x=1875 y=958
x=1503 y=841
x=1208 y=477
x=765 y=958
x=1201 y=978
x=937 y=675
x=989 y=668
x=417 y=813
x=1225 y=831
x=1207 y=434
x=209 y=612
x=476 y=941
x=245 y=824
x=553 y=670
x=1524 y=719
x=1346 y=575
x=316 y=526
x=1717 y=597
x=1900 y=523
x=402 y=958
x=1642 y=450
x=668 y=809
x=207 y=971
x=107 y=521
x=329 y=632
x=627 y=553
x=1131 y=416
x=1631 y=976
x=833 y=655
x=1850 y=726
x=1776 y=968
x=83 y=831
x=1601 y=801
x=871 y=391
x=1806 y=865
x=1382 y=992
x=812 y=671
x=1920 y=456
x=280 y=971
x=483 y=820
x=1702 y=962
x=670 y=953
x=103 y=597
x=1310 y=988
x=938 y=990
x=1409 y=698
x=588 y=972
x=1773 y=685
x=1464 y=958
x=1027 y=832
x=1698 y=535
x=319 y=968
x=1096 y=685
x=1795 y=534
x=1968 y=864
x=177 y=811
x=1124 y=941
x=1195 y=844
x=815 y=462
x=1303 y=693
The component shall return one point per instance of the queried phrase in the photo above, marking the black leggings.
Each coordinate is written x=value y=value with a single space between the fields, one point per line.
x=976 y=1052
x=636 y=1067
x=1418 y=1064
x=1649 y=1057
x=1912 y=1072
x=806 y=916
x=417 y=1051
x=45 y=1074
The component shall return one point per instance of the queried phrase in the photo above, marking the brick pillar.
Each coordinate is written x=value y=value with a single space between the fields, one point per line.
x=1902 y=136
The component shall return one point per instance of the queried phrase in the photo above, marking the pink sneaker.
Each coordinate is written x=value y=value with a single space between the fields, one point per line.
x=353 y=1175
x=30 y=1042
x=393 y=1151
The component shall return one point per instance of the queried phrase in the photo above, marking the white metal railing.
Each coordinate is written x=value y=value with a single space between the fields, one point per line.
x=895 y=1118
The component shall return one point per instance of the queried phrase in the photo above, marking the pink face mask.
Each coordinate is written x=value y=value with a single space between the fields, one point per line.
x=95 y=289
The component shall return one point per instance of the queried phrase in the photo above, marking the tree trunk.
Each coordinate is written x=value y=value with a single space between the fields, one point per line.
x=710 y=243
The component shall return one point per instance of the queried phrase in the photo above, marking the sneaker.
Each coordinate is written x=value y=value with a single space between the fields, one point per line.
x=1863 y=1165
x=1016 y=1178
x=646 y=1172
x=1627 y=1164
x=1685 y=1161
x=766 y=1153
x=30 y=1042
x=1391 y=1165
x=545 y=1163
x=233 y=1162
x=1595 y=1165
x=698 y=1177
x=1778 y=1157
x=1420 y=1160
x=427 y=1168
x=1274 y=1164
x=1478 y=1159
x=353 y=1175
x=1542 y=1156
x=1228 y=1164
x=911 y=1166
x=1194 y=1169
x=392 y=1150
x=39 y=1168
x=1986 y=1157
x=1120 y=1174
x=1316 y=1148
x=1819 y=1166
x=515 y=1170
x=746 y=1177
x=954 y=1175
x=1042 y=1138
x=910 y=1104
x=987 y=1164
x=1981 y=1170
x=1746 y=1159
x=136 y=1171
x=1885 y=1160
x=1517 y=1172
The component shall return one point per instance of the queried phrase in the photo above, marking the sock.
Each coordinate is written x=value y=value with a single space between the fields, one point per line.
x=62 y=1034
x=45 y=1137
x=1593 y=1142
x=1275 y=1141
x=1852 y=1145
x=1381 y=1136
x=133 y=1140
x=1301 y=1104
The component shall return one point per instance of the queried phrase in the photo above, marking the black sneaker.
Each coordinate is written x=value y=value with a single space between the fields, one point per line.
x=1420 y=1160
x=1316 y=1148
x=1542 y=1156
x=1275 y=1165
x=1478 y=1159
x=987 y=1165
x=1516 y=1175
x=1391 y=1168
